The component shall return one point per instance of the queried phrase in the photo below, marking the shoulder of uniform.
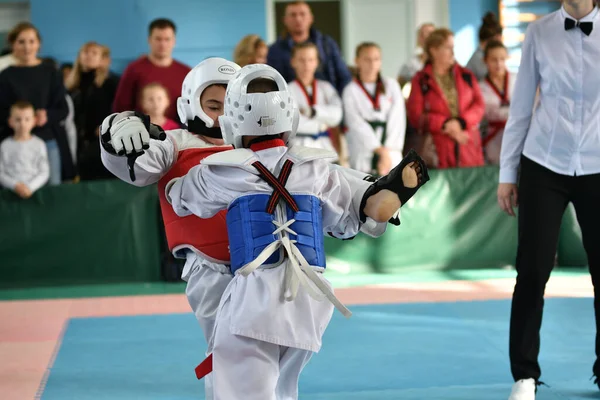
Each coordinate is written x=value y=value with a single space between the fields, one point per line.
x=301 y=154
x=240 y=158
x=328 y=87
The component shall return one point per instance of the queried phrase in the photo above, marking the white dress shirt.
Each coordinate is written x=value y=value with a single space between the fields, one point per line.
x=563 y=132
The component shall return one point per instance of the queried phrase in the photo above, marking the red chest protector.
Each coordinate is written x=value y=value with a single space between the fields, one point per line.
x=205 y=236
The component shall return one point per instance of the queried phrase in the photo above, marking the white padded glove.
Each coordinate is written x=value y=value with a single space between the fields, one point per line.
x=128 y=133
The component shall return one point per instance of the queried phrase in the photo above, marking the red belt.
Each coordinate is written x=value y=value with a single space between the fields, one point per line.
x=204 y=368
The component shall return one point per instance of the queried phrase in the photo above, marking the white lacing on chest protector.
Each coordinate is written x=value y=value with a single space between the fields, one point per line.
x=298 y=271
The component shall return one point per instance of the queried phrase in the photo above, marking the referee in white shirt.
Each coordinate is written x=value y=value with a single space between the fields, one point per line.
x=557 y=147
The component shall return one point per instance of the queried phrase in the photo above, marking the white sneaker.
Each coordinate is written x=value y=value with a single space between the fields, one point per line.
x=523 y=390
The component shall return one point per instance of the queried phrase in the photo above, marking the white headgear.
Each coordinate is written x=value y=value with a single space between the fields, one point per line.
x=211 y=71
x=258 y=114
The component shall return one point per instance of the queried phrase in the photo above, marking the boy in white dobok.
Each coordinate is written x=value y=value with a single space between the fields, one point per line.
x=132 y=151
x=279 y=201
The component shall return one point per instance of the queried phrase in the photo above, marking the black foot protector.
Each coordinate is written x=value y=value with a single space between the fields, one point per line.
x=404 y=180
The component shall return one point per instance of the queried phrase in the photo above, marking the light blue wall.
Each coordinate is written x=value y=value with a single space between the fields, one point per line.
x=515 y=29
x=204 y=28
x=465 y=20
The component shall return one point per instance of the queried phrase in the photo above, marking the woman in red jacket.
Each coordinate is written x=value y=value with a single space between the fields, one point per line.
x=446 y=102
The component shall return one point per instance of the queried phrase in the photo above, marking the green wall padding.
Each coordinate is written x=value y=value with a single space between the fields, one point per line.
x=97 y=232
x=88 y=232
x=453 y=222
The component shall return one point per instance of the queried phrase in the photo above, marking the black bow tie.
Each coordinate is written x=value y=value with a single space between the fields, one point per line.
x=586 y=27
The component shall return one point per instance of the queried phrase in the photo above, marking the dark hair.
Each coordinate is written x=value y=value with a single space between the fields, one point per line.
x=223 y=85
x=161 y=23
x=289 y=4
x=296 y=3
x=21 y=105
x=365 y=45
x=306 y=45
x=262 y=85
x=491 y=45
x=20 y=28
x=490 y=27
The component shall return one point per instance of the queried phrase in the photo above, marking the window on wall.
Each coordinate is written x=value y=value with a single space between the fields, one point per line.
x=11 y=13
x=515 y=16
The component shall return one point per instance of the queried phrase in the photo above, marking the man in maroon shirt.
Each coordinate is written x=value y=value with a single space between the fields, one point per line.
x=158 y=66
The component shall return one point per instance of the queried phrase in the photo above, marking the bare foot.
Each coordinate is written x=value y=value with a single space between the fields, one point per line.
x=382 y=206
x=411 y=175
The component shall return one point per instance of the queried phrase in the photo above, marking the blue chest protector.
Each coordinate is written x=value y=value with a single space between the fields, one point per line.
x=250 y=228
x=314 y=136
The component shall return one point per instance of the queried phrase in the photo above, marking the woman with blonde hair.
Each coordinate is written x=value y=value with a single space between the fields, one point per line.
x=92 y=87
x=250 y=50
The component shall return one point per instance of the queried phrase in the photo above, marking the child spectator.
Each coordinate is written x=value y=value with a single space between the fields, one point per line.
x=155 y=102
x=318 y=102
x=375 y=115
x=490 y=29
x=497 y=88
x=24 y=166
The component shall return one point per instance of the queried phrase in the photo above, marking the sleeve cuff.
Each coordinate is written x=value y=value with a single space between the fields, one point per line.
x=168 y=189
x=508 y=176
x=373 y=229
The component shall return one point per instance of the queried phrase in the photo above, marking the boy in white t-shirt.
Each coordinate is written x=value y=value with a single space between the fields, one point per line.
x=24 y=166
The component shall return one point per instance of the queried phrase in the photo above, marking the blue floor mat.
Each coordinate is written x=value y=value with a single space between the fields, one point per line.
x=449 y=351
